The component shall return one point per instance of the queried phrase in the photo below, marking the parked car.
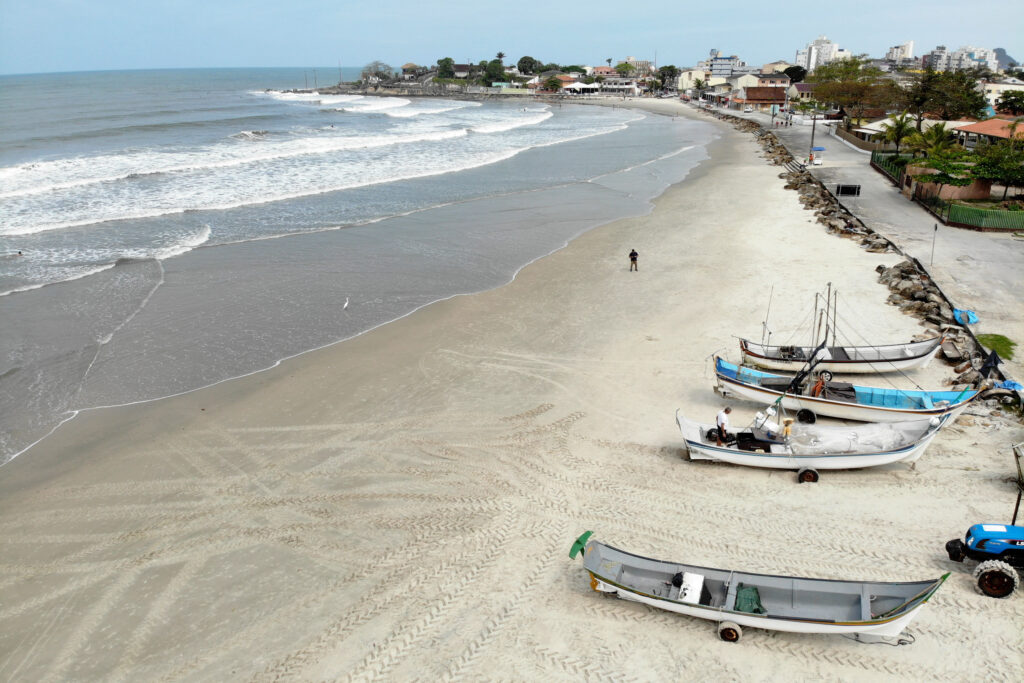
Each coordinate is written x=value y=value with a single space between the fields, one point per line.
x=748 y=110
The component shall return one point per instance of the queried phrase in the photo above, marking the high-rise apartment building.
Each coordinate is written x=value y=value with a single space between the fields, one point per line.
x=900 y=53
x=819 y=51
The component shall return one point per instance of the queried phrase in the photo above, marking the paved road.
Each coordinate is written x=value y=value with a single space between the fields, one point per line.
x=980 y=271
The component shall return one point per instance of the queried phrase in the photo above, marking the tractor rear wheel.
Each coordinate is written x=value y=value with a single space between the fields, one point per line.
x=996 y=578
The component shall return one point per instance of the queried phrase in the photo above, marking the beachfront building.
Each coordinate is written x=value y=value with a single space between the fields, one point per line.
x=687 y=77
x=801 y=91
x=961 y=59
x=603 y=71
x=762 y=80
x=993 y=90
x=992 y=130
x=759 y=99
x=819 y=51
x=461 y=70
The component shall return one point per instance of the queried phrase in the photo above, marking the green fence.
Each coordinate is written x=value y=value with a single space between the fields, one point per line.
x=985 y=218
x=886 y=162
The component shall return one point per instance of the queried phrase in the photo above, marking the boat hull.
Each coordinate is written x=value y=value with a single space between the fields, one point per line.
x=768 y=601
x=839 y=409
x=860 y=360
x=889 y=629
x=782 y=456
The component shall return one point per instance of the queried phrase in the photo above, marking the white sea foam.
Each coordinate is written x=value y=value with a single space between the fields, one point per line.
x=503 y=126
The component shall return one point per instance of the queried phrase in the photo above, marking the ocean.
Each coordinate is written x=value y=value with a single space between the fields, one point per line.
x=179 y=228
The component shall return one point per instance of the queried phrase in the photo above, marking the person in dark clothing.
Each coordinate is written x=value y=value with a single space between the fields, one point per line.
x=632 y=260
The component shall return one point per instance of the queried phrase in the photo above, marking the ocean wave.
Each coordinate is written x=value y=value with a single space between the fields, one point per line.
x=43 y=171
x=77 y=276
x=251 y=134
x=503 y=126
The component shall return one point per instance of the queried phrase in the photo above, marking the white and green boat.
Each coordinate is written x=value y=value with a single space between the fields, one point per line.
x=737 y=599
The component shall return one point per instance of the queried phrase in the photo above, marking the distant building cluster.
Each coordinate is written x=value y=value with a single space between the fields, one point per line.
x=819 y=52
x=962 y=59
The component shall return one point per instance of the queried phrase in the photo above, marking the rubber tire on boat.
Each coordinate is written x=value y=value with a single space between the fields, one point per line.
x=825 y=375
x=996 y=578
x=807 y=476
x=806 y=416
x=955 y=549
x=730 y=632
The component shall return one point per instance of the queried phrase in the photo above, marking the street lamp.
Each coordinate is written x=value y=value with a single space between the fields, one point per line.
x=814 y=119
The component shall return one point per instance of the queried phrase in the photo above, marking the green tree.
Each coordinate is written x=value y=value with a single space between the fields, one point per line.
x=699 y=84
x=849 y=83
x=609 y=60
x=494 y=71
x=574 y=69
x=934 y=143
x=957 y=96
x=796 y=73
x=948 y=171
x=550 y=67
x=500 y=56
x=1011 y=102
x=668 y=74
x=625 y=69
x=528 y=65
x=919 y=95
x=446 y=68
x=552 y=83
x=898 y=129
x=1000 y=163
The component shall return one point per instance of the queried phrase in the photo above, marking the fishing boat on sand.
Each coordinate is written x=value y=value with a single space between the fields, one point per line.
x=842 y=359
x=863 y=609
x=811 y=396
x=809 y=448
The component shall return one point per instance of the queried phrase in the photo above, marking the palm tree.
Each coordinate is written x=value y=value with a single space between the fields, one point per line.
x=934 y=143
x=898 y=129
x=609 y=60
x=500 y=56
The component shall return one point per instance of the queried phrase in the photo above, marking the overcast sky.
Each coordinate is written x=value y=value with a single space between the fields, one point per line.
x=86 y=35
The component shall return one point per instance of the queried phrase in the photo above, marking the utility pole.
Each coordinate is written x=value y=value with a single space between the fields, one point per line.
x=814 y=120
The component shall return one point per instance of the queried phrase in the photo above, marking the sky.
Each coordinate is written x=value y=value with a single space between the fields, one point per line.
x=90 y=35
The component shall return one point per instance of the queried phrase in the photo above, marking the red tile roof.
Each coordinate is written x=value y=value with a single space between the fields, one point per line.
x=996 y=128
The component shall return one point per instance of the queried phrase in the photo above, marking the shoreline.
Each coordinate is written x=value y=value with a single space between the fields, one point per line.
x=401 y=505
x=503 y=198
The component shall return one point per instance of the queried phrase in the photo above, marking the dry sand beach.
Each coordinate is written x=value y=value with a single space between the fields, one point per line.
x=400 y=506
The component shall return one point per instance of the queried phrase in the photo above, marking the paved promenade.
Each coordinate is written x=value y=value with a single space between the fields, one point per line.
x=980 y=271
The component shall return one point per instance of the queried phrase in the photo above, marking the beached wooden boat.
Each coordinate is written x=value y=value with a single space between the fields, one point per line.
x=842 y=359
x=839 y=399
x=737 y=599
x=814 y=447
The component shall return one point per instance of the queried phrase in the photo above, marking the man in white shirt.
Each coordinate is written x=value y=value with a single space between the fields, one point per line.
x=723 y=424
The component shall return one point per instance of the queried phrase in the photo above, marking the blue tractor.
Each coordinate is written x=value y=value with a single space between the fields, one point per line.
x=999 y=548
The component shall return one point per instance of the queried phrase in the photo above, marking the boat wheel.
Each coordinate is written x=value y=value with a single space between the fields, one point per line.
x=730 y=632
x=807 y=476
x=996 y=579
x=806 y=416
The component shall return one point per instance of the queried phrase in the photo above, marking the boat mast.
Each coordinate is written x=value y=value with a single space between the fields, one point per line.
x=835 y=305
x=764 y=325
x=828 y=312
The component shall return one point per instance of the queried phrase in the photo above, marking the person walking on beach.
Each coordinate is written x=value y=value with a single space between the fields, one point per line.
x=722 y=422
x=632 y=261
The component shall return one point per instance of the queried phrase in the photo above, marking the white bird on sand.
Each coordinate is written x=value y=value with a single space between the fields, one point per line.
x=345 y=305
